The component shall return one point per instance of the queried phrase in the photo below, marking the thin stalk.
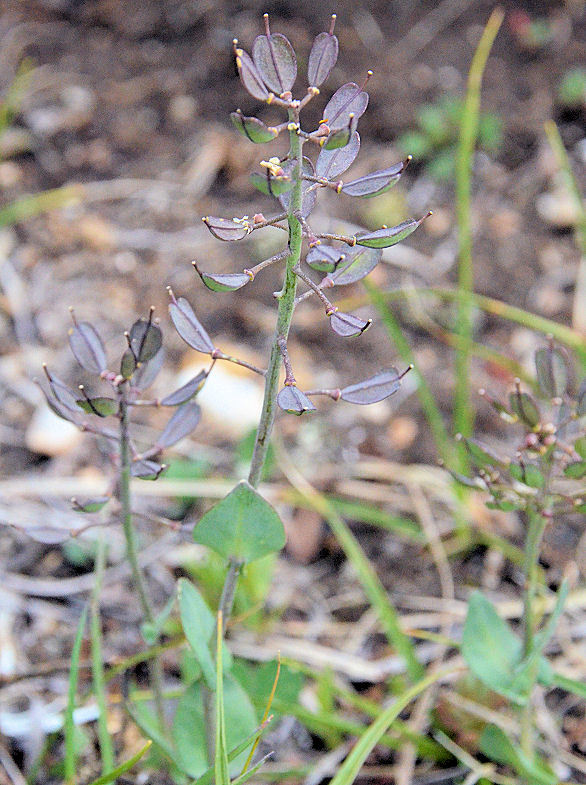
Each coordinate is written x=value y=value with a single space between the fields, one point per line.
x=536 y=527
x=286 y=307
x=106 y=749
x=285 y=311
x=463 y=411
x=155 y=668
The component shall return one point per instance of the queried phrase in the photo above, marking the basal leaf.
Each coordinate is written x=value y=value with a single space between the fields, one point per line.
x=198 y=625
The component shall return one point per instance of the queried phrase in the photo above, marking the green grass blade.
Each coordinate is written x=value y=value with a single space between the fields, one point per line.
x=69 y=728
x=555 y=140
x=29 y=206
x=106 y=748
x=208 y=776
x=350 y=769
x=221 y=759
x=444 y=444
x=463 y=410
x=124 y=767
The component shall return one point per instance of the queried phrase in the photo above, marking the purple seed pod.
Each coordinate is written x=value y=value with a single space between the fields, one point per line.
x=275 y=60
x=323 y=56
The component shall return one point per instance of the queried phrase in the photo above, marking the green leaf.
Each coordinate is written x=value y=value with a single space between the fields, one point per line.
x=575 y=470
x=496 y=745
x=221 y=757
x=490 y=649
x=208 y=777
x=580 y=446
x=242 y=527
x=271 y=186
x=69 y=727
x=523 y=679
x=189 y=733
x=189 y=730
x=198 y=624
x=124 y=767
x=570 y=685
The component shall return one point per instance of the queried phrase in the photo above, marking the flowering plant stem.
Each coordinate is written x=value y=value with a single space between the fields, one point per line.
x=155 y=667
x=286 y=299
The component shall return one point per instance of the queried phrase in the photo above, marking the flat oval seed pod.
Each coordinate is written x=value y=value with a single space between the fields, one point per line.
x=269 y=185
x=374 y=389
x=226 y=229
x=249 y=76
x=375 y=183
x=87 y=347
x=103 y=407
x=357 y=264
x=127 y=364
x=525 y=407
x=309 y=193
x=324 y=258
x=332 y=163
x=180 y=425
x=57 y=407
x=224 y=282
x=147 y=372
x=347 y=100
x=62 y=392
x=146 y=470
x=552 y=371
x=252 y=128
x=275 y=61
x=90 y=505
x=339 y=138
x=293 y=401
x=187 y=392
x=188 y=326
x=322 y=58
x=347 y=325
x=145 y=340
x=386 y=237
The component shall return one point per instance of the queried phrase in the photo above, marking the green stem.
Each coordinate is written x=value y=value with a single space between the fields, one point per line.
x=284 y=315
x=285 y=312
x=536 y=527
x=155 y=667
x=463 y=411
x=106 y=749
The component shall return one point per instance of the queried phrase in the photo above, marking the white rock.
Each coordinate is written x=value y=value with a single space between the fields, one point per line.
x=48 y=434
